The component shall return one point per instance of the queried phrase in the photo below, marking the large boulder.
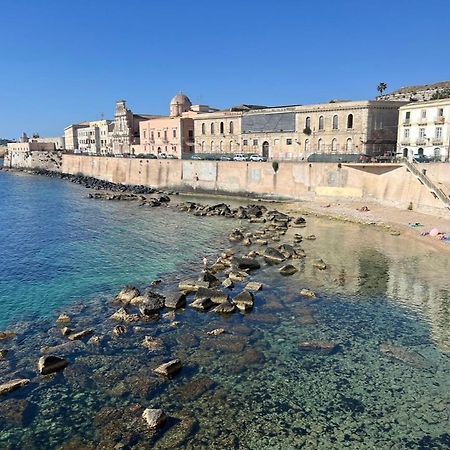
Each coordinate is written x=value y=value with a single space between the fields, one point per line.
x=127 y=294
x=152 y=301
x=63 y=319
x=122 y=315
x=253 y=286
x=81 y=334
x=12 y=385
x=236 y=235
x=288 y=269
x=169 y=369
x=244 y=301
x=273 y=256
x=215 y=295
x=175 y=301
x=225 y=308
x=245 y=263
x=188 y=286
x=155 y=418
x=202 y=304
x=50 y=364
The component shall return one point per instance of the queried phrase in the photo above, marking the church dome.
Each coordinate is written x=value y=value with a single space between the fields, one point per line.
x=179 y=104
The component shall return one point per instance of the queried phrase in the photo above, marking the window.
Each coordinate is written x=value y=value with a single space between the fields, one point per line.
x=438 y=132
x=335 y=122
x=212 y=146
x=203 y=146
x=406 y=133
x=221 y=146
x=221 y=128
x=145 y=134
x=320 y=145
x=334 y=145
x=152 y=136
x=407 y=116
x=288 y=141
x=245 y=142
x=231 y=127
x=276 y=142
x=191 y=133
x=320 y=123
x=165 y=135
x=423 y=114
x=203 y=128
x=307 y=145
x=308 y=122
x=159 y=134
x=231 y=146
x=422 y=132
x=349 y=145
x=212 y=128
x=440 y=112
x=255 y=141
x=350 y=121
x=174 y=133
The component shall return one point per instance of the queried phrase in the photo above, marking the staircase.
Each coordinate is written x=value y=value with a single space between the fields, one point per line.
x=435 y=191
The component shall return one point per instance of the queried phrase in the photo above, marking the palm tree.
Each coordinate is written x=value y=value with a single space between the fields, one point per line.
x=381 y=88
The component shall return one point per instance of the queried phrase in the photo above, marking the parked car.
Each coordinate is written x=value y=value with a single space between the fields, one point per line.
x=421 y=159
x=225 y=158
x=171 y=157
x=196 y=157
x=257 y=158
x=240 y=157
x=162 y=156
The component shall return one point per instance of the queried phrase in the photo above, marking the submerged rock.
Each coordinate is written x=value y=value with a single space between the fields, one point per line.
x=122 y=315
x=3 y=353
x=7 y=335
x=119 y=330
x=63 y=319
x=169 y=369
x=152 y=344
x=14 y=411
x=216 y=332
x=404 y=355
x=216 y=296
x=307 y=293
x=50 y=364
x=288 y=269
x=225 y=308
x=323 y=346
x=195 y=388
x=319 y=264
x=81 y=334
x=12 y=385
x=155 y=418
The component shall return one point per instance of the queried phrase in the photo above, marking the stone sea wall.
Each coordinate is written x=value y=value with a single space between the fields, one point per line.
x=34 y=160
x=387 y=184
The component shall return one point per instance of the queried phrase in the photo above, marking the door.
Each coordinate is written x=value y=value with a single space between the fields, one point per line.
x=265 y=150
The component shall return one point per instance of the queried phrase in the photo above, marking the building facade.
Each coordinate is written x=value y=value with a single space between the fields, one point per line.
x=297 y=132
x=424 y=129
x=71 y=135
x=95 y=137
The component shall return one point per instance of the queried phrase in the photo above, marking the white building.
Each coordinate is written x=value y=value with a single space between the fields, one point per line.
x=424 y=129
x=95 y=138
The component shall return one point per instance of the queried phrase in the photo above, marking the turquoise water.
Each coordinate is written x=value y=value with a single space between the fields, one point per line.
x=57 y=246
x=251 y=388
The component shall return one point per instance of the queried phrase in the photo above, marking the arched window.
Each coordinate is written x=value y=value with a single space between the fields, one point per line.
x=308 y=122
x=221 y=128
x=350 y=121
x=320 y=145
x=335 y=122
x=212 y=128
x=203 y=128
x=231 y=145
x=437 y=153
x=203 y=147
x=321 y=123
x=220 y=146
x=334 y=146
x=212 y=146
x=231 y=127
x=349 y=145
x=307 y=145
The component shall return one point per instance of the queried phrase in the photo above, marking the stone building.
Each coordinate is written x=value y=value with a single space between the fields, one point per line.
x=173 y=135
x=296 y=132
x=424 y=129
x=125 y=134
x=71 y=135
x=95 y=137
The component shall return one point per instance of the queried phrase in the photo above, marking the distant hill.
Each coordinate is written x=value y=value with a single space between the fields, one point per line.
x=419 y=93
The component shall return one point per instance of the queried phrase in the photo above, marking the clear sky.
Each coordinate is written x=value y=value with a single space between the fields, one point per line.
x=64 y=61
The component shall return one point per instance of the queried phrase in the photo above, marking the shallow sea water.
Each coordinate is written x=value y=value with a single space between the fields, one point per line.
x=251 y=388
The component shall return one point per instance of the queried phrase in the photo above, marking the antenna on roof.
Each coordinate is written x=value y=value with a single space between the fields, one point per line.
x=102 y=115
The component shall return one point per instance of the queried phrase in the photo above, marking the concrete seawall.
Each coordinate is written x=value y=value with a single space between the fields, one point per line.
x=388 y=184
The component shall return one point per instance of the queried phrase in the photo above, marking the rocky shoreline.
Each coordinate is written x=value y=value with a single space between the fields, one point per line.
x=143 y=319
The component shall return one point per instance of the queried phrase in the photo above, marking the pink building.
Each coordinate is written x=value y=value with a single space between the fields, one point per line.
x=173 y=135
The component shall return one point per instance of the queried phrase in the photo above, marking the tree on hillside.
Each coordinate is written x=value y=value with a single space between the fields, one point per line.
x=381 y=88
x=442 y=93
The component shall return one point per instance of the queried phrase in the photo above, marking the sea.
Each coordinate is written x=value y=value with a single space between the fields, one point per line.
x=384 y=301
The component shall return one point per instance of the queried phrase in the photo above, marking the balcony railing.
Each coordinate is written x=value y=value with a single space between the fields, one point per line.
x=437 y=141
x=407 y=122
x=405 y=142
x=422 y=122
x=421 y=141
x=440 y=120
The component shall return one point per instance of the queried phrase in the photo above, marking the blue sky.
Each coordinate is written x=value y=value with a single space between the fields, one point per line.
x=63 y=61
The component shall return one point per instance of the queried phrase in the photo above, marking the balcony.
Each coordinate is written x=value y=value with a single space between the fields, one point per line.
x=421 y=141
x=422 y=122
x=190 y=142
x=407 y=122
x=437 y=141
x=440 y=120
x=405 y=142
